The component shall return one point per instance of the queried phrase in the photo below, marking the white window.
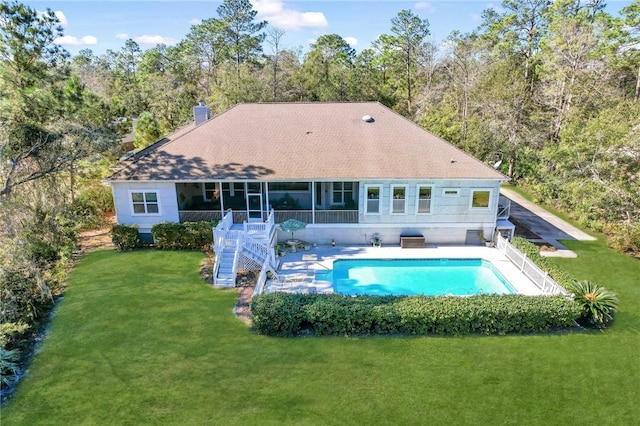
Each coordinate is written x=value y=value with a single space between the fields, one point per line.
x=342 y=193
x=373 y=199
x=424 y=199
x=145 y=202
x=480 y=198
x=450 y=192
x=398 y=199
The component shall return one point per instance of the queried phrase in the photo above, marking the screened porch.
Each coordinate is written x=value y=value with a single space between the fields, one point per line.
x=309 y=202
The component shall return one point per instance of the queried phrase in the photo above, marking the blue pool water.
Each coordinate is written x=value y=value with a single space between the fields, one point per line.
x=431 y=277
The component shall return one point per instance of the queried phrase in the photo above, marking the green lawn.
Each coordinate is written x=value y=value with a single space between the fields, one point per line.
x=140 y=339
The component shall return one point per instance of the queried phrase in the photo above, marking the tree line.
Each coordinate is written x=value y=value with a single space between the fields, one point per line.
x=551 y=88
x=548 y=89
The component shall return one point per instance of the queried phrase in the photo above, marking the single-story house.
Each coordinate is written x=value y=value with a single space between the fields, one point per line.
x=351 y=171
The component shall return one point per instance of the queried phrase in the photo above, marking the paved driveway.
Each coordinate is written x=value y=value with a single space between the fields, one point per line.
x=546 y=225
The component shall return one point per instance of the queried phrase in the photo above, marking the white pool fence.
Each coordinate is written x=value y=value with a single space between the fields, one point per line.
x=540 y=278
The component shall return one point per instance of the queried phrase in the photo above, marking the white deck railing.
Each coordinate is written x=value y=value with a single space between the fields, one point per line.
x=254 y=239
x=257 y=249
x=540 y=278
x=262 y=230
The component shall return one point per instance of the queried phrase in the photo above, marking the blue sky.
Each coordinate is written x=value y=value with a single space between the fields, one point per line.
x=102 y=25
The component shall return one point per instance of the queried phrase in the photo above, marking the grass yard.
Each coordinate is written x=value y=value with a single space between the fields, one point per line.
x=140 y=339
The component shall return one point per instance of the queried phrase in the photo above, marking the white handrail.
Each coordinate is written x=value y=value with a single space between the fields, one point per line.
x=262 y=278
x=540 y=278
x=504 y=207
x=255 y=247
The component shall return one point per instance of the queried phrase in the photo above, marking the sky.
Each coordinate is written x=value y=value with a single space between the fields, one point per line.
x=103 y=25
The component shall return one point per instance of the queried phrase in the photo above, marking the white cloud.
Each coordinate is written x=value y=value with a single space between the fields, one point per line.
x=278 y=16
x=425 y=6
x=155 y=39
x=122 y=36
x=68 y=40
x=195 y=21
x=61 y=18
x=353 y=42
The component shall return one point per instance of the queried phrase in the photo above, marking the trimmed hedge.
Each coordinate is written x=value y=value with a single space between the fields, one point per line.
x=184 y=236
x=283 y=314
x=125 y=237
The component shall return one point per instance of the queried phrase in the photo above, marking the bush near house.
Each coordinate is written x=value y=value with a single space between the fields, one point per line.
x=184 y=236
x=125 y=237
x=167 y=236
x=281 y=314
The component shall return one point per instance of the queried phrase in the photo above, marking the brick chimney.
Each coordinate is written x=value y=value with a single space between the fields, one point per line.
x=201 y=113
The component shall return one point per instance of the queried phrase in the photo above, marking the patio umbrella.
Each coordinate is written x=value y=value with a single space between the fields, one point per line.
x=292 y=225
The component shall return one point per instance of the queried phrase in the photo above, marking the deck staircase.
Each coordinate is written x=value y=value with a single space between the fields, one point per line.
x=248 y=246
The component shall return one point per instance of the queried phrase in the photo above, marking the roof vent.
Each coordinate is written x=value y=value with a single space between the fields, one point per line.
x=368 y=119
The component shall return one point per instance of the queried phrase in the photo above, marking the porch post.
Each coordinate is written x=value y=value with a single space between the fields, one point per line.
x=221 y=198
x=313 y=202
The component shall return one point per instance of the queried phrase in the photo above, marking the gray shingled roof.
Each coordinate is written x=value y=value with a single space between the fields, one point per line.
x=304 y=141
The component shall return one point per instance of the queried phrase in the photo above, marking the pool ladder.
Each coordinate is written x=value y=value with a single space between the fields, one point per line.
x=328 y=270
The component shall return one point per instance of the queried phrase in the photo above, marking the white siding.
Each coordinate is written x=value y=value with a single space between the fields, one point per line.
x=167 y=203
x=444 y=210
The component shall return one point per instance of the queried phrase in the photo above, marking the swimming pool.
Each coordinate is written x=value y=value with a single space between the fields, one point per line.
x=431 y=277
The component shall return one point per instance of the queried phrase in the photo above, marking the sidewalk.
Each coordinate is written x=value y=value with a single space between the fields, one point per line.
x=548 y=226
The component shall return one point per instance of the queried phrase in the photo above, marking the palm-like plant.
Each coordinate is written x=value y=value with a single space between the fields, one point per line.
x=599 y=304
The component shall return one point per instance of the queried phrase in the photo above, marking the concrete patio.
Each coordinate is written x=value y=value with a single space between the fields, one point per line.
x=297 y=270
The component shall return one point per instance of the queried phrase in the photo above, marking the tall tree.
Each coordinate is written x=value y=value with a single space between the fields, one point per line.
x=465 y=66
x=42 y=127
x=409 y=32
x=327 y=67
x=274 y=37
x=126 y=89
x=567 y=57
x=29 y=60
x=625 y=33
x=168 y=91
x=243 y=36
x=205 y=47
x=518 y=31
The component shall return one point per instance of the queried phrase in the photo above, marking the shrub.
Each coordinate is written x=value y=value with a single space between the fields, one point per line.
x=624 y=237
x=24 y=293
x=183 y=236
x=10 y=331
x=281 y=314
x=125 y=237
x=91 y=205
x=48 y=236
x=598 y=304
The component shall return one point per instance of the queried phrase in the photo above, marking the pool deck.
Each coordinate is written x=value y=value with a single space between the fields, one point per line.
x=297 y=270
